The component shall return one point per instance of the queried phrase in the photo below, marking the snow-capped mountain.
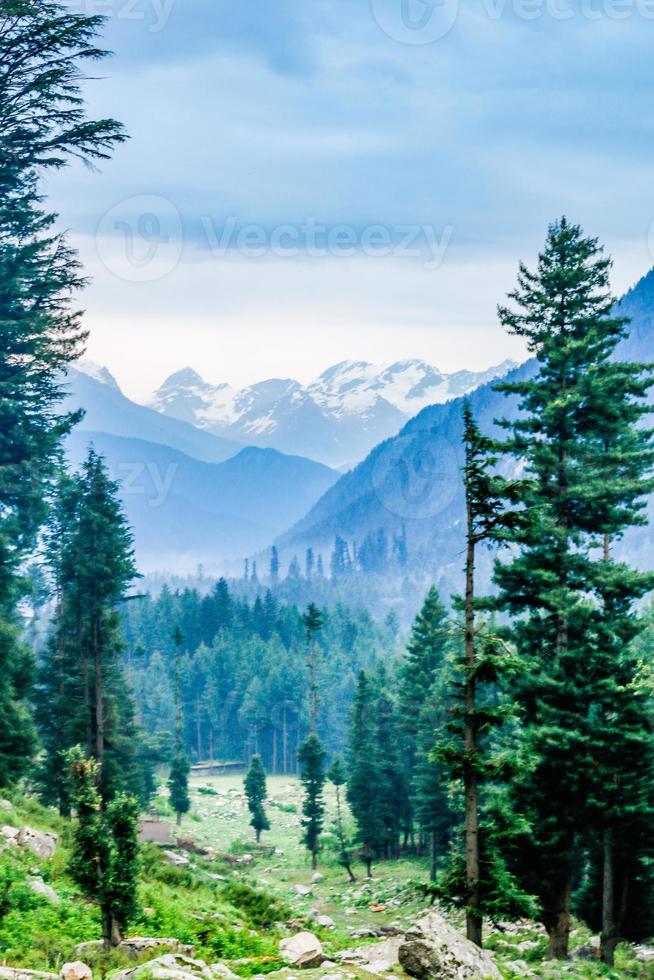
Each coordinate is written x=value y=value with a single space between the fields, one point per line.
x=337 y=419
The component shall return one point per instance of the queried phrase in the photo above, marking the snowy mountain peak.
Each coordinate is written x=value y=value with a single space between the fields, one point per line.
x=97 y=372
x=336 y=419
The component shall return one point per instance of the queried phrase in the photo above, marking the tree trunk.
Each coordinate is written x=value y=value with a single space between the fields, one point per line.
x=99 y=698
x=179 y=819
x=314 y=860
x=558 y=926
x=474 y=921
x=432 y=856
x=608 y=941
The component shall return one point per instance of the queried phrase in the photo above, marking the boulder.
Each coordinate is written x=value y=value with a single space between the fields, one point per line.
x=138 y=946
x=9 y=973
x=317 y=878
x=302 y=951
x=376 y=958
x=177 y=860
x=40 y=887
x=39 y=842
x=9 y=833
x=433 y=949
x=75 y=971
x=172 y=966
x=302 y=890
x=325 y=921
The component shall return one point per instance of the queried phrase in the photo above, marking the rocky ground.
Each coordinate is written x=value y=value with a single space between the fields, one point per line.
x=218 y=906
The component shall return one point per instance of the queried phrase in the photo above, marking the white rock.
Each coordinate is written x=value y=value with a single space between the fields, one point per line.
x=9 y=973
x=39 y=842
x=325 y=921
x=41 y=888
x=10 y=833
x=177 y=860
x=76 y=971
x=317 y=878
x=303 y=950
x=377 y=958
x=302 y=890
x=432 y=948
x=220 y=970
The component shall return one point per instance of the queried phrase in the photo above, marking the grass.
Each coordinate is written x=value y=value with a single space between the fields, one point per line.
x=235 y=904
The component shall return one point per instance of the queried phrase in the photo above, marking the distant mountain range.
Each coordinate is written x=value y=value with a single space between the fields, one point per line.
x=409 y=486
x=191 y=497
x=336 y=419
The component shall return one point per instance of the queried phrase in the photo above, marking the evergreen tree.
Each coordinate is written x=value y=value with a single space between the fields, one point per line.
x=42 y=119
x=180 y=767
x=364 y=783
x=418 y=673
x=312 y=776
x=104 y=861
x=338 y=777
x=313 y=624
x=256 y=792
x=274 y=566
x=557 y=586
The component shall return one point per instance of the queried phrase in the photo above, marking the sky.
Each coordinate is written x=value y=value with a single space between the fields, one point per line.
x=309 y=181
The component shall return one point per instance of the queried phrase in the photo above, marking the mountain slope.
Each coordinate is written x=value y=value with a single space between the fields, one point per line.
x=411 y=483
x=337 y=419
x=107 y=410
x=184 y=511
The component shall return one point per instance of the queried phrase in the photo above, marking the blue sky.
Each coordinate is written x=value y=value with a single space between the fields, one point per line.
x=312 y=180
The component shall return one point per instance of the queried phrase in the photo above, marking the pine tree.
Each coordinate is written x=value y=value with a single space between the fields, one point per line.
x=559 y=585
x=42 y=119
x=81 y=677
x=256 y=792
x=313 y=624
x=312 y=776
x=104 y=860
x=180 y=768
x=365 y=784
x=418 y=674
x=274 y=566
x=338 y=777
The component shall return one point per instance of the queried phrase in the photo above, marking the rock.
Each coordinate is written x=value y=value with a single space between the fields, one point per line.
x=138 y=946
x=10 y=833
x=220 y=970
x=175 y=966
x=302 y=890
x=76 y=971
x=520 y=967
x=590 y=951
x=377 y=958
x=9 y=973
x=325 y=921
x=432 y=948
x=40 y=887
x=177 y=860
x=302 y=951
x=6 y=805
x=644 y=954
x=39 y=842
x=317 y=878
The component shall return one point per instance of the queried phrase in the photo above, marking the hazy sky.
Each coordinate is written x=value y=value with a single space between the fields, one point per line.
x=314 y=180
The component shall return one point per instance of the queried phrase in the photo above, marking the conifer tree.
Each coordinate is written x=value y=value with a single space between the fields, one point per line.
x=313 y=624
x=557 y=585
x=43 y=123
x=104 y=861
x=364 y=783
x=418 y=674
x=256 y=792
x=180 y=768
x=338 y=777
x=274 y=566
x=312 y=776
